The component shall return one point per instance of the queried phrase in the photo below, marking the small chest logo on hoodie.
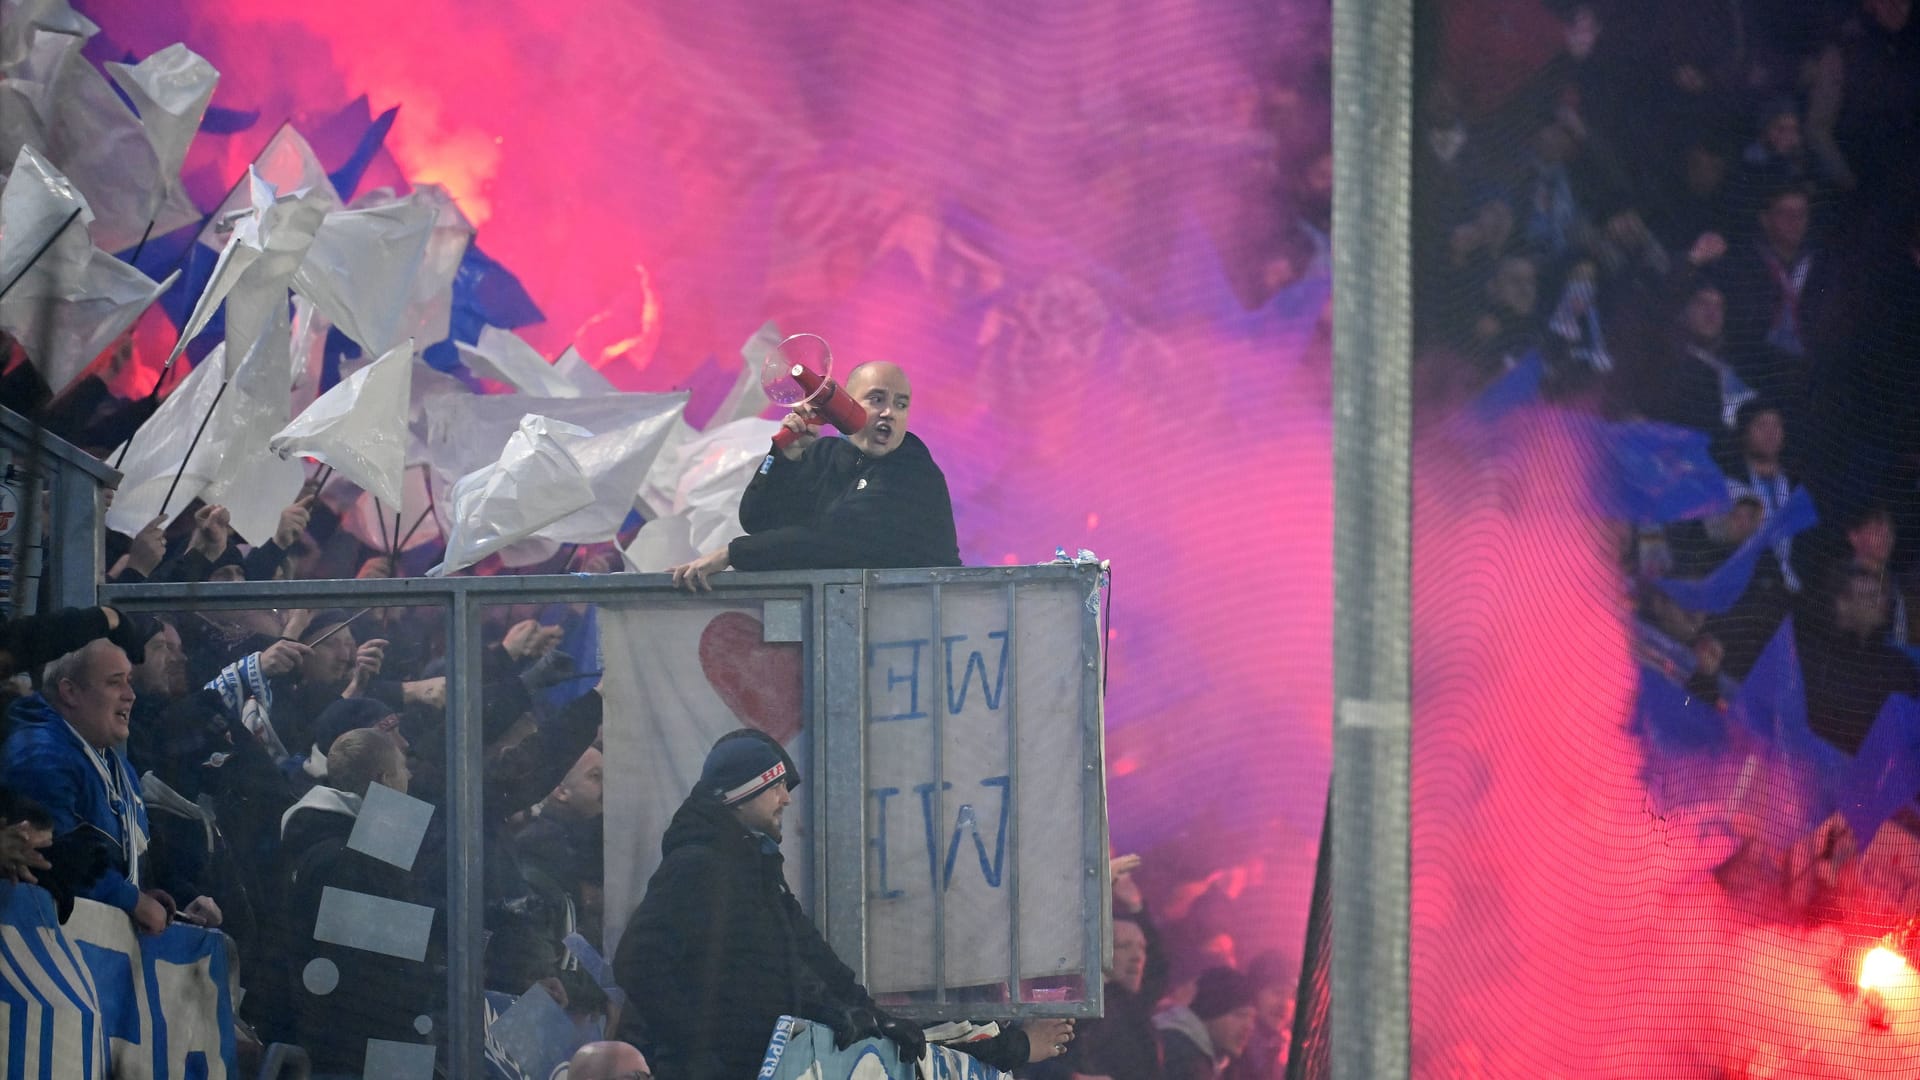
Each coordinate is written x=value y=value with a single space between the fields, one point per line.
x=862 y=485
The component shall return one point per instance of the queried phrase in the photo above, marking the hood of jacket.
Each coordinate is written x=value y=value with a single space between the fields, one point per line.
x=703 y=819
x=1184 y=1020
x=322 y=800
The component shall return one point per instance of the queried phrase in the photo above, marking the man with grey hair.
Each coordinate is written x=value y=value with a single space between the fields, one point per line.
x=64 y=752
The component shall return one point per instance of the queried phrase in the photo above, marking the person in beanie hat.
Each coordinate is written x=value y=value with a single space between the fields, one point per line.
x=719 y=949
x=1199 y=1039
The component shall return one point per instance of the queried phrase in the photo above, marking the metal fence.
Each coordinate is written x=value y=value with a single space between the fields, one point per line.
x=1035 y=701
x=33 y=462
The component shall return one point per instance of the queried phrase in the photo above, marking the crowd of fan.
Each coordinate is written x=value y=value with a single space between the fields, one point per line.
x=255 y=737
x=1708 y=215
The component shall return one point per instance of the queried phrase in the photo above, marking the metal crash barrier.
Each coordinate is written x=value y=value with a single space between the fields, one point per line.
x=950 y=838
x=34 y=463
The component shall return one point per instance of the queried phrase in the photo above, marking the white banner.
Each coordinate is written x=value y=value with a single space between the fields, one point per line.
x=678 y=677
x=984 y=686
x=679 y=674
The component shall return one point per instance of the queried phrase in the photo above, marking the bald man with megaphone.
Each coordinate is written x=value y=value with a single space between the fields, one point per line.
x=872 y=499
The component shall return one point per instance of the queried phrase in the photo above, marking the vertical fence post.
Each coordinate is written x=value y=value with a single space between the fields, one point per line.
x=1372 y=427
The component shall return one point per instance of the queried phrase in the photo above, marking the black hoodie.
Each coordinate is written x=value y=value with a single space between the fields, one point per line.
x=719 y=950
x=837 y=508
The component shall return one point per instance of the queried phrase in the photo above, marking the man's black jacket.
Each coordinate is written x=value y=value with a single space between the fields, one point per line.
x=837 y=508
x=719 y=950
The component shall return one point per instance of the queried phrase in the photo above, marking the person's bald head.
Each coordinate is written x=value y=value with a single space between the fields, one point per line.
x=882 y=389
x=608 y=1061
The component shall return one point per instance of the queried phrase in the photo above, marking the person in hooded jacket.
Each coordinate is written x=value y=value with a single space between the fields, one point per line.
x=719 y=948
x=377 y=996
x=64 y=753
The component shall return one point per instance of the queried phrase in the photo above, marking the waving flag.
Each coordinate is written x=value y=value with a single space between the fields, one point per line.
x=39 y=205
x=170 y=89
x=97 y=141
x=159 y=447
x=615 y=464
x=360 y=270
x=360 y=426
x=535 y=483
x=1721 y=589
x=253 y=484
x=503 y=356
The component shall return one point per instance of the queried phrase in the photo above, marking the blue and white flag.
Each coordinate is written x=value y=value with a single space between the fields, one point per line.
x=803 y=1050
x=50 y=1027
x=165 y=1000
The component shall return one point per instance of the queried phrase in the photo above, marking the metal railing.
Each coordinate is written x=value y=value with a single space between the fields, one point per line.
x=839 y=668
x=70 y=559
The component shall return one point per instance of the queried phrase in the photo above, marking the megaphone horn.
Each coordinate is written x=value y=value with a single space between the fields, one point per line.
x=798 y=372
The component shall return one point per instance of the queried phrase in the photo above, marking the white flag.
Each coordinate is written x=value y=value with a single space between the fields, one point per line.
x=615 y=464
x=170 y=89
x=160 y=445
x=361 y=268
x=22 y=20
x=699 y=478
x=503 y=356
x=430 y=307
x=360 y=426
x=468 y=431
x=535 y=483
x=251 y=226
x=574 y=368
x=97 y=141
x=64 y=334
x=254 y=485
x=35 y=208
x=747 y=397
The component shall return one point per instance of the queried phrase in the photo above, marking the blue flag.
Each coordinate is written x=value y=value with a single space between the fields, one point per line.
x=1673 y=718
x=1661 y=473
x=1773 y=699
x=1721 y=589
x=163 y=997
x=1516 y=389
x=1885 y=775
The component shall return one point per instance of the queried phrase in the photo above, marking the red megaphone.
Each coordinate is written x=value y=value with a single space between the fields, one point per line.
x=797 y=372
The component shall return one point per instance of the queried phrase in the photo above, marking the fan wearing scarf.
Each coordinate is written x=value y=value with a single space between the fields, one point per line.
x=64 y=753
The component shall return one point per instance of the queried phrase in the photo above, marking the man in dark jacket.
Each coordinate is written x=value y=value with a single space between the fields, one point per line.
x=872 y=499
x=719 y=949
x=1199 y=1040
x=379 y=994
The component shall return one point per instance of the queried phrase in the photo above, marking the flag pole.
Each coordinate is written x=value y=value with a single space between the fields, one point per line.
x=45 y=246
x=191 y=447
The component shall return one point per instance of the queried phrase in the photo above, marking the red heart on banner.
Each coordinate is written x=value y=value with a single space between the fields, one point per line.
x=759 y=680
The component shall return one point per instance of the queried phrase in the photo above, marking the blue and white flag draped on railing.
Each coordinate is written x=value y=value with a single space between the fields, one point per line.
x=803 y=1050
x=79 y=996
x=49 y=1011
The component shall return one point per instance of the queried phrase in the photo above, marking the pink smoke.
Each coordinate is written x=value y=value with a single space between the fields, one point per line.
x=1050 y=214
x=1567 y=920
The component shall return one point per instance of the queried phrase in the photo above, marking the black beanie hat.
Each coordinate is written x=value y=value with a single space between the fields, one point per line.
x=1220 y=991
x=740 y=767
